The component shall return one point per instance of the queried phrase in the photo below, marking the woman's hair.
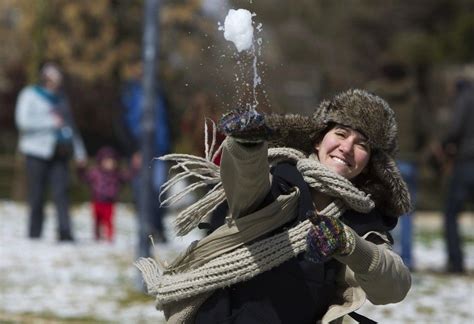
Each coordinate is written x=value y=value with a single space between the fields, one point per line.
x=320 y=135
x=368 y=182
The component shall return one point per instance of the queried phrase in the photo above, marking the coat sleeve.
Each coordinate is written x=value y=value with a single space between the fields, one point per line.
x=28 y=118
x=378 y=270
x=245 y=175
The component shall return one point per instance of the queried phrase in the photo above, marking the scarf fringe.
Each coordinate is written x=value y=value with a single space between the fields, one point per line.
x=190 y=217
x=207 y=174
x=150 y=273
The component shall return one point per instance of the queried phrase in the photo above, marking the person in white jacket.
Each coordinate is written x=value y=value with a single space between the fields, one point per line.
x=48 y=138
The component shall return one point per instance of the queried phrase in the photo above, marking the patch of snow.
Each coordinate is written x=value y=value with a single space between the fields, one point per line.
x=96 y=280
x=74 y=280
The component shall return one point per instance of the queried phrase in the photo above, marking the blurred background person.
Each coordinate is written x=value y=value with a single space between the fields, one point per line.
x=48 y=139
x=398 y=87
x=131 y=117
x=105 y=180
x=458 y=149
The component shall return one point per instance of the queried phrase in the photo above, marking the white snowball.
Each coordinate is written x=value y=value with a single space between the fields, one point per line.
x=238 y=28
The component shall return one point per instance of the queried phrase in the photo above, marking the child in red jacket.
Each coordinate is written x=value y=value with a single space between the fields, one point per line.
x=105 y=180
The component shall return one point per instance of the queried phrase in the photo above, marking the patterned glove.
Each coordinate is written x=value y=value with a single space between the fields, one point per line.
x=328 y=237
x=245 y=125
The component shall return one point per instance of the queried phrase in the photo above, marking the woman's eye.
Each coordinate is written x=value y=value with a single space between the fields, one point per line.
x=363 y=145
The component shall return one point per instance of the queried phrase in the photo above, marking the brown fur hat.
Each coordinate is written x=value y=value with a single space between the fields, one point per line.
x=364 y=112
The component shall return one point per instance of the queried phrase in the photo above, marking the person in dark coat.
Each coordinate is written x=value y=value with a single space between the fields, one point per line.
x=458 y=145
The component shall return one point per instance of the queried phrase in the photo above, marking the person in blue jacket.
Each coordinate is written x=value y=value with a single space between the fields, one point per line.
x=132 y=105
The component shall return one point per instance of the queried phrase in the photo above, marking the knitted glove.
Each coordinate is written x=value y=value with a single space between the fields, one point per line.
x=328 y=237
x=245 y=125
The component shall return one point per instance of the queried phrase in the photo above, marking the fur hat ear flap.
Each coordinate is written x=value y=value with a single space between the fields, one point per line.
x=396 y=192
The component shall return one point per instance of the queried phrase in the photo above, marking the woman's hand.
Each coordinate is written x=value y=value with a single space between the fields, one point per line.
x=245 y=125
x=327 y=237
x=58 y=120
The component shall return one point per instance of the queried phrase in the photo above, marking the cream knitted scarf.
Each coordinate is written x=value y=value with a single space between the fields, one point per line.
x=197 y=270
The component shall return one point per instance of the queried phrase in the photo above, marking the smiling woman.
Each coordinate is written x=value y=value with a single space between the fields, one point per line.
x=307 y=237
x=344 y=151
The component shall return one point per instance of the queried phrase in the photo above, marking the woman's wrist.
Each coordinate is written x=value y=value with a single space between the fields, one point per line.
x=364 y=256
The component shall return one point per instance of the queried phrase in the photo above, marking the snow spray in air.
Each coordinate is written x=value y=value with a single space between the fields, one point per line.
x=238 y=29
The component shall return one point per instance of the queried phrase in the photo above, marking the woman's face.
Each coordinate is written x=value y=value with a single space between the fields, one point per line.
x=344 y=150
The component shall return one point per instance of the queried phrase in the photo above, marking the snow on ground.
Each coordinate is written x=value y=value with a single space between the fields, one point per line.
x=42 y=281
x=86 y=280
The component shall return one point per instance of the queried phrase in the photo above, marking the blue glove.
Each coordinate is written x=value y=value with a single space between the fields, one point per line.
x=245 y=125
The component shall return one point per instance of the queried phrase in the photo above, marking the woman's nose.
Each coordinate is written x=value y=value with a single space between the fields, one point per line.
x=346 y=146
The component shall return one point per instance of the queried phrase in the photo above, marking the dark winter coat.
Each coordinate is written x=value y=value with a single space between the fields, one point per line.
x=461 y=131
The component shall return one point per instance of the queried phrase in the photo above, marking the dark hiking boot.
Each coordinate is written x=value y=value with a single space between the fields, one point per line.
x=65 y=237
